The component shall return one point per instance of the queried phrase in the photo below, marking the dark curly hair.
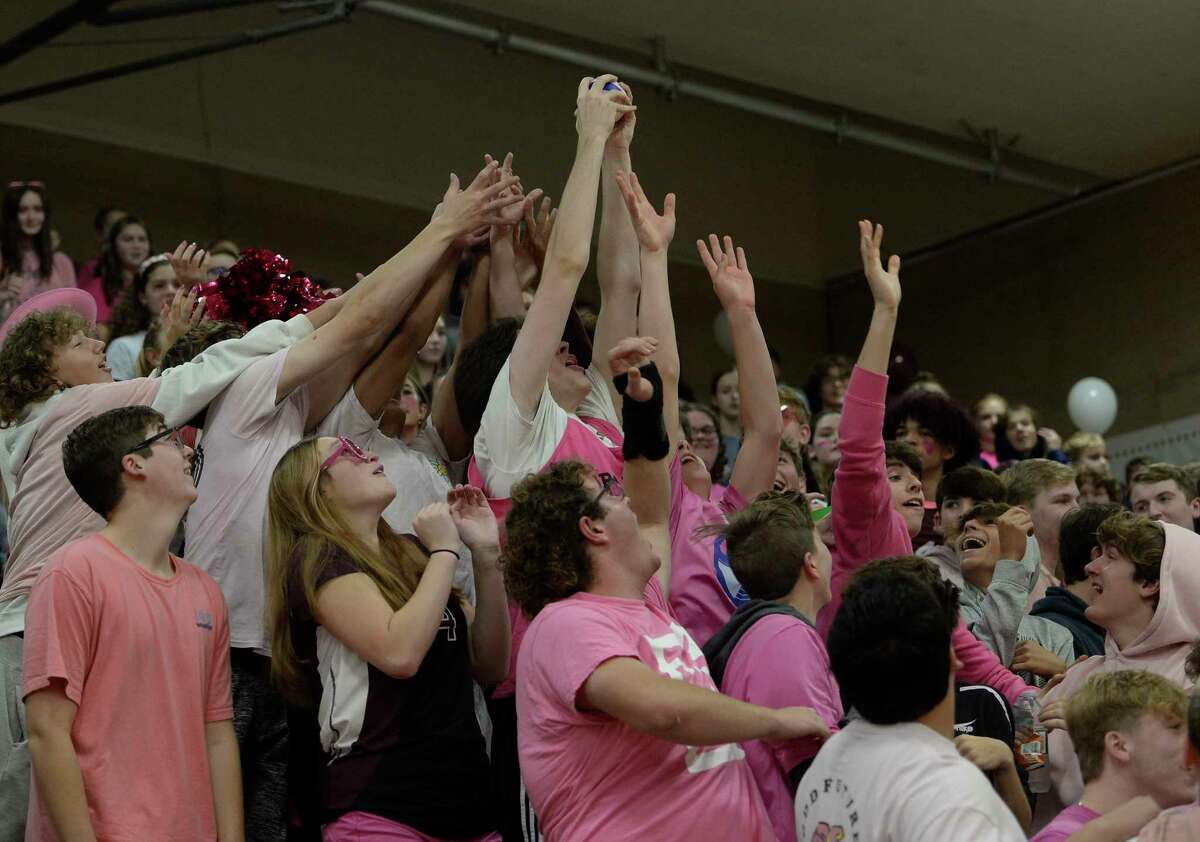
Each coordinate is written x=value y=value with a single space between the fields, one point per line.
x=27 y=357
x=948 y=421
x=545 y=555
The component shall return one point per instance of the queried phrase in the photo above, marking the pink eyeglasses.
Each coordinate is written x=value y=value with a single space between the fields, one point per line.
x=346 y=447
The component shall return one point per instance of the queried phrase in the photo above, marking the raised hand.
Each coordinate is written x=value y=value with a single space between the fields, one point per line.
x=474 y=519
x=480 y=205
x=731 y=278
x=435 y=527
x=183 y=313
x=885 y=284
x=1014 y=526
x=622 y=133
x=631 y=352
x=1053 y=439
x=188 y=263
x=654 y=230
x=532 y=240
x=597 y=110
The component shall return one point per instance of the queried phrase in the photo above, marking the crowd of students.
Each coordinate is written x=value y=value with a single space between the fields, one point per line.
x=489 y=571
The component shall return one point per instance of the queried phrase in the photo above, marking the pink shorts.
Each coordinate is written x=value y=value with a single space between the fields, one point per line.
x=358 y=826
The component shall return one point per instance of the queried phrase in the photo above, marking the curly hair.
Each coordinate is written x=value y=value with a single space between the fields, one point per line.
x=947 y=421
x=27 y=357
x=545 y=556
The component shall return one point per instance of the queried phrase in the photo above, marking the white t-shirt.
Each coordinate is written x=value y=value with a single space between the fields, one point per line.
x=897 y=783
x=122 y=356
x=510 y=447
x=418 y=480
x=245 y=435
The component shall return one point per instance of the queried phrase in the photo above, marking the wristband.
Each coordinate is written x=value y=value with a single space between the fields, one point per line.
x=645 y=435
x=457 y=557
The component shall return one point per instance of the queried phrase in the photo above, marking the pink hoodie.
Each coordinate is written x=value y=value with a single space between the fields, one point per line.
x=1161 y=648
x=866 y=526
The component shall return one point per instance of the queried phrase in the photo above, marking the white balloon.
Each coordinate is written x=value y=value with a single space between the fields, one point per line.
x=721 y=333
x=1092 y=404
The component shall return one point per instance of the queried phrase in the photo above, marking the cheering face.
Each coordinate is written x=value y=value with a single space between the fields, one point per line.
x=620 y=525
x=788 y=476
x=80 y=361
x=167 y=468
x=978 y=547
x=1116 y=595
x=31 y=214
x=696 y=476
x=908 y=496
x=133 y=246
x=1021 y=431
x=703 y=437
x=353 y=481
x=1165 y=502
x=568 y=380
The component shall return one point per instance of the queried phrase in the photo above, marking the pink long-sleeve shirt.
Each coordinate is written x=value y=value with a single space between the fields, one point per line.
x=867 y=527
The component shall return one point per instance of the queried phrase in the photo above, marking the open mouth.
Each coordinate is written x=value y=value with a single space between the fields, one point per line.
x=1097 y=587
x=914 y=503
x=779 y=485
x=972 y=542
x=378 y=470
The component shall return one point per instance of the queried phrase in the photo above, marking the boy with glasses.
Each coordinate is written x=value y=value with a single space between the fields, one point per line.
x=154 y=757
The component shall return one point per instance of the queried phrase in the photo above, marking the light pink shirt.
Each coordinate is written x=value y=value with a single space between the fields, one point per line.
x=591 y=776
x=146 y=659
x=245 y=434
x=782 y=662
x=704 y=589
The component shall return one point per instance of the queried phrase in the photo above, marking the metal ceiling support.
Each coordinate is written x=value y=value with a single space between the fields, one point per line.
x=165 y=9
x=837 y=125
x=48 y=28
x=338 y=11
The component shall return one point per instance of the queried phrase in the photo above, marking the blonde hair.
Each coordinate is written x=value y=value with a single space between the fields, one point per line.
x=1081 y=441
x=305 y=532
x=1025 y=480
x=1114 y=701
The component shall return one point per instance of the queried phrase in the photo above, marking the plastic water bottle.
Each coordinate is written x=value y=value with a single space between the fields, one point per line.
x=1032 y=744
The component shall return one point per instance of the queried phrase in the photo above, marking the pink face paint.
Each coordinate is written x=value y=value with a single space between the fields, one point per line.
x=929 y=447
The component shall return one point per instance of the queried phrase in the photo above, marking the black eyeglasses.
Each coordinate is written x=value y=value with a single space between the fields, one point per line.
x=610 y=485
x=156 y=438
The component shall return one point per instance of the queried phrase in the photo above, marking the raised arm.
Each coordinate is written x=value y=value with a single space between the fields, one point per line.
x=762 y=425
x=655 y=318
x=504 y=283
x=380 y=300
x=444 y=413
x=491 y=636
x=378 y=381
x=618 y=264
x=567 y=255
x=885 y=292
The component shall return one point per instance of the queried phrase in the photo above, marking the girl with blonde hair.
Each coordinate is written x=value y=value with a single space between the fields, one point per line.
x=366 y=623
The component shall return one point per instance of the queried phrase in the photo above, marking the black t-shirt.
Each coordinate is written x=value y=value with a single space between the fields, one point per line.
x=409 y=750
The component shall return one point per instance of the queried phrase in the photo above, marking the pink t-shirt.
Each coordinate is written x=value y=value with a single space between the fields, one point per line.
x=146 y=660
x=782 y=662
x=590 y=776
x=1180 y=824
x=45 y=513
x=90 y=280
x=245 y=434
x=704 y=591
x=1066 y=823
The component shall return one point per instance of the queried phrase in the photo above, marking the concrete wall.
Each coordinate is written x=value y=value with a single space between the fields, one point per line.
x=1110 y=289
